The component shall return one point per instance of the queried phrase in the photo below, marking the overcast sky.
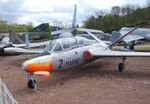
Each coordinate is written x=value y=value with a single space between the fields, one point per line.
x=48 y=11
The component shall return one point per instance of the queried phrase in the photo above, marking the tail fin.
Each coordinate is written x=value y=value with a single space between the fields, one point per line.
x=27 y=41
x=56 y=34
x=14 y=38
x=74 y=17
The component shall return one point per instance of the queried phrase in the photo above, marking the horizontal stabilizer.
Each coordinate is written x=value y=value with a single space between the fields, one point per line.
x=61 y=31
x=89 y=30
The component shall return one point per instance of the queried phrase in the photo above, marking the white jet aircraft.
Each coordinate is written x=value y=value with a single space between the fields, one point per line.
x=65 y=53
x=138 y=34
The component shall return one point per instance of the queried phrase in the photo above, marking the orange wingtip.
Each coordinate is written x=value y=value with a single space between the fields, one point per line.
x=46 y=74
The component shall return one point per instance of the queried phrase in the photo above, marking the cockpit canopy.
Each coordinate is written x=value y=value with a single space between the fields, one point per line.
x=63 y=44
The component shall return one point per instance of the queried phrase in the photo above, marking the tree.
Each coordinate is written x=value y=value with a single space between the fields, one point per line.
x=3 y=22
x=123 y=11
x=115 y=11
x=129 y=15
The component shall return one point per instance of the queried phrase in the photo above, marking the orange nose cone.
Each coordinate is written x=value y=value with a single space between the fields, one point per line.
x=40 y=67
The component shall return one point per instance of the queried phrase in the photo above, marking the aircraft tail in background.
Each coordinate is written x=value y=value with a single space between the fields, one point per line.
x=27 y=41
x=74 y=17
x=14 y=38
x=114 y=35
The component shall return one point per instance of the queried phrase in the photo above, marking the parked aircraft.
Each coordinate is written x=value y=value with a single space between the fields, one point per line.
x=9 y=47
x=138 y=34
x=4 y=40
x=65 y=53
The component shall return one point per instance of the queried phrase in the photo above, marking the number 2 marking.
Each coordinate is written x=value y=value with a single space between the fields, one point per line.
x=61 y=62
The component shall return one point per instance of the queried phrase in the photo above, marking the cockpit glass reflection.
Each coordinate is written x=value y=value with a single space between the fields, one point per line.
x=51 y=45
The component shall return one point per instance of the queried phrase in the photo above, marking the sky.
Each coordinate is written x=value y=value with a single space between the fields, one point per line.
x=55 y=11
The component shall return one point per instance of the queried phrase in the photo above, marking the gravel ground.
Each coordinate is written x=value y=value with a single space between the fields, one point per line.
x=95 y=83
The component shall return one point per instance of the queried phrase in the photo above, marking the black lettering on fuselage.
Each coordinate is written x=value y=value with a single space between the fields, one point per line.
x=61 y=62
x=73 y=62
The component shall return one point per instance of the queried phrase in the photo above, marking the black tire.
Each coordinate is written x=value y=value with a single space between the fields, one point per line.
x=120 y=67
x=2 y=52
x=31 y=84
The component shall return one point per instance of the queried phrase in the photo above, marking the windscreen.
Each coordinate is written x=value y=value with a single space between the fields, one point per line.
x=51 y=45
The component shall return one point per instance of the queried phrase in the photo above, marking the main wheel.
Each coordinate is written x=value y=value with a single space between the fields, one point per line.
x=2 y=52
x=32 y=84
x=120 y=67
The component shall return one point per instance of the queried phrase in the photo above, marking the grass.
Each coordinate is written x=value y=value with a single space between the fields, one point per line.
x=145 y=48
x=140 y=48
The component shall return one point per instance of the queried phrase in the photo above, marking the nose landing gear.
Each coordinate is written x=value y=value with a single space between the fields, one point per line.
x=32 y=83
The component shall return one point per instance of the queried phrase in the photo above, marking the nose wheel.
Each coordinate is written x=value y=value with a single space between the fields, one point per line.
x=2 y=52
x=32 y=83
x=121 y=66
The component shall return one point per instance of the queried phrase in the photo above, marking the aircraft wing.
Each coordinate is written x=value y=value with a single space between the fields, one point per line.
x=130 y=38
x=109 y=53
x=14 y=50
x=32 y=45
x=89 y=30
x=61 y=31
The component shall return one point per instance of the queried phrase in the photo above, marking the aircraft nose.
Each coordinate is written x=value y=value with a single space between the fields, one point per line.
x=39 y=64
x=24 y=66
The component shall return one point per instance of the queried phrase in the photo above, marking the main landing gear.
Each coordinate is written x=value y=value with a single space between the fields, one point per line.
x=121 y=66
x=32 y=83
